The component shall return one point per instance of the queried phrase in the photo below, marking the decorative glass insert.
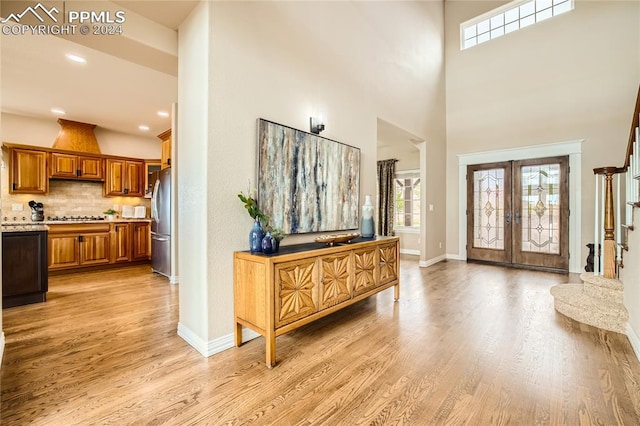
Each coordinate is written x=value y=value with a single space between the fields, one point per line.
x=488 y=209
x=541 y=208
x=407 y=199
x=508 y=18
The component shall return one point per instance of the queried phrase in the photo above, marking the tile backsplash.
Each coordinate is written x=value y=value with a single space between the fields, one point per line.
x=67 y=198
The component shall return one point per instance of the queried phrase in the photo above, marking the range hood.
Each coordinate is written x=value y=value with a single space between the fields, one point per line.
x=76 y=136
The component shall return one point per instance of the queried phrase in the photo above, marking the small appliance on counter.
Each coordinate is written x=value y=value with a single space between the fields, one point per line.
x=37 y=211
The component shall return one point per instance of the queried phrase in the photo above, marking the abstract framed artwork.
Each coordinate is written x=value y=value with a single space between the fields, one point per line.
x=307 y=183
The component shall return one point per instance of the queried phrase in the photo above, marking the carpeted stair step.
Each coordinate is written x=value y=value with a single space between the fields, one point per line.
x=610 y=289
x=571 y=300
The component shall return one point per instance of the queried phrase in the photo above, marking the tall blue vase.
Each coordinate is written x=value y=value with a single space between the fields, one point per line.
x=367 y=225
x=255 y=237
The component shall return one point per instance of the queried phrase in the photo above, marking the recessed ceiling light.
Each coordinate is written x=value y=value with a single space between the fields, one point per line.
x=76 y=58
x=143 y=127
x=58 y=111
x=163 y=113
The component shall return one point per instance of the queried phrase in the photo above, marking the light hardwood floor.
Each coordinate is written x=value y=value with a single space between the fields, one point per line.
x=466 y=344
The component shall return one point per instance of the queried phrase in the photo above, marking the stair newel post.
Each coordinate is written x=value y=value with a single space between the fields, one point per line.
x=609 y=243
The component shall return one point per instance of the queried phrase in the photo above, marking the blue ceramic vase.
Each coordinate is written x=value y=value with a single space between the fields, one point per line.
x=268 y=244
x=255 y=237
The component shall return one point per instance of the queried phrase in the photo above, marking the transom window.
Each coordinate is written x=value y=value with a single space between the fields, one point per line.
x=509 y=18
x=407 y=199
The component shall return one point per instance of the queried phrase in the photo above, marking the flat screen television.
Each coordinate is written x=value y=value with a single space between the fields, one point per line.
x=307 y=183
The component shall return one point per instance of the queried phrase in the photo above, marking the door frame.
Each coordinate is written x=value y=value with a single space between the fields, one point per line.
x=571 y=148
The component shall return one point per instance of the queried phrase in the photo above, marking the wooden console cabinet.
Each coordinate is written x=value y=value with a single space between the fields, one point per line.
x=275 y=294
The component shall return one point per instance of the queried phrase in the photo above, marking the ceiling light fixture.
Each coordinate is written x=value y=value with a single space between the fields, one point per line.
x=163 y=114
x=143 y=127
x=58 y=111
x=76 y=58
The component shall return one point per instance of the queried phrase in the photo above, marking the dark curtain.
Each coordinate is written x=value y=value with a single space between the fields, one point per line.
x=386 y=174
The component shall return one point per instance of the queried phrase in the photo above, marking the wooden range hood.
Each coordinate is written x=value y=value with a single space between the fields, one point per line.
x=76 y=136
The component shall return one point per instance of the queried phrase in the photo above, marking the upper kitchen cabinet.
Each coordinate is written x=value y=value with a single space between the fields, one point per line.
x=28 y=171
x=165 y=137
x=70 y=166
x=125 y=177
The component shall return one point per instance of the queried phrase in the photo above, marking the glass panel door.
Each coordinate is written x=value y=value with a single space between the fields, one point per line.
x=541 y=212
x=488 y=212
x=518 y=212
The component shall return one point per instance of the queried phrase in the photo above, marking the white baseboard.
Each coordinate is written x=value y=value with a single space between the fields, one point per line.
x=173 y=279
x=410 y=251
x=1 y=347
x=425 y=263
x=452 y=256
x=635 y=341
x=216 y=345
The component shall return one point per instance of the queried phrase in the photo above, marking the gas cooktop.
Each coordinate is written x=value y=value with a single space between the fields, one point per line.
x=74 y=218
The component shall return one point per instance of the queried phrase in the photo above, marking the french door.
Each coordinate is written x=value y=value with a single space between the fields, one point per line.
x=518 y=212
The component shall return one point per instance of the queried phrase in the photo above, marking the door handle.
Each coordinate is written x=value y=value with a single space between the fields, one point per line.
x=517 y=217
x=508 y=218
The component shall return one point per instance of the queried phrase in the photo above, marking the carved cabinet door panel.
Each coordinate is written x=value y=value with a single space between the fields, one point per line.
x=366 y=270
x=335 y=280
x=387 y=264
x=296 y=290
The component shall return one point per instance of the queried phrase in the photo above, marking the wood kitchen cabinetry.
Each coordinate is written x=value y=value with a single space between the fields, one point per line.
x=141 y=241
x=275 y=294
x=165 y=137
x=78 y=245
x=121 y=243
x=28 y=171
x=125 y=177
x=71 y=166
x=85 y=245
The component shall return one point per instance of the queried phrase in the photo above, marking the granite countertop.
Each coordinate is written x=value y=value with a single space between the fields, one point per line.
x=24 y=227
x=10 y=225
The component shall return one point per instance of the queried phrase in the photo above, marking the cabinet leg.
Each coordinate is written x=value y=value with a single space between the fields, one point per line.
x=238 y=334
x=270 y=349
x=396 y=292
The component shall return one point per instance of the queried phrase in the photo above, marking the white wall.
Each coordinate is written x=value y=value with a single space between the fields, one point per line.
x=572 y=77
x=348 y=62
x=40 y=132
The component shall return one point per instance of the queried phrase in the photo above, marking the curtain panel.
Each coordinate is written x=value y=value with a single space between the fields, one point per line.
x=386 y=202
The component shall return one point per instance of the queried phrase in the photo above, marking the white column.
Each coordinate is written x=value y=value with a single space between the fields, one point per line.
x=601 y=230
x=618 y=206
x=596 y=231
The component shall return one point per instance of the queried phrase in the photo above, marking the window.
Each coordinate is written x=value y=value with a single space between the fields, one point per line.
x=508 y=18
x=407 y=199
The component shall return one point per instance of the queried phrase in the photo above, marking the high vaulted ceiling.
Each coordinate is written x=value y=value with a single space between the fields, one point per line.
x=126 y=80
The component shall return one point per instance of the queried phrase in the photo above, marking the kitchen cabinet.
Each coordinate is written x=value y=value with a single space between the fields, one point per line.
x=152 y=167
x=121 y=240
x=141 y=241
x=125 y=177
x=275 y=294
x=24 y=268
x=84 y=245
x=28 y=171
x=70 y=166
x=72 y=246
x=165 y=137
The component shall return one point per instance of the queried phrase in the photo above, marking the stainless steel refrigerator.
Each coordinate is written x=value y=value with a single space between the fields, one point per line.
x=161 y=224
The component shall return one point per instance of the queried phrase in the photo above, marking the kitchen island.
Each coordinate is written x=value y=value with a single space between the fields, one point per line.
x=24 y=264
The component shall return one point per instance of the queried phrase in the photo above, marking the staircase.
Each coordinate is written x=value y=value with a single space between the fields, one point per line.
x=598 y=301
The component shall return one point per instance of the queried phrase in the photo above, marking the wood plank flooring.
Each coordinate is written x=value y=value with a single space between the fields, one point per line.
x=466 y=344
